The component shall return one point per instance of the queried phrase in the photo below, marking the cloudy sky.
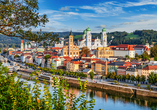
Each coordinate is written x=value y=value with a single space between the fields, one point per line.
x=116 y=15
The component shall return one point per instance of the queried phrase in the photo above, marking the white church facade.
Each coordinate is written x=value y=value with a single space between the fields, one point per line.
x=87 y=40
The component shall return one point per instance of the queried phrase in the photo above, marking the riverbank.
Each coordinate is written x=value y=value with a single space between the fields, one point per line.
x=107 y=86
x=118 y=88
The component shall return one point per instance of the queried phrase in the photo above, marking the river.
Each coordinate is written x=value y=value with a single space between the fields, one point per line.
x=109 y=100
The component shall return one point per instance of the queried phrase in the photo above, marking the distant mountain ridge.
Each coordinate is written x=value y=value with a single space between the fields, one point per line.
x=137 y=37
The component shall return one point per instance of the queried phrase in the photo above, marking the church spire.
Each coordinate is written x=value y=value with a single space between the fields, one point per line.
x=71 y=32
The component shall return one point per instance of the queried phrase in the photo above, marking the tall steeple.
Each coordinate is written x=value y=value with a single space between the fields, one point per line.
x=88 y=38
x=104 y=38
x=71 y=38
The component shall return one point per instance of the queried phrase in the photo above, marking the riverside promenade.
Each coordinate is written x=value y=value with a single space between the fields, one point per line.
x=106 y=85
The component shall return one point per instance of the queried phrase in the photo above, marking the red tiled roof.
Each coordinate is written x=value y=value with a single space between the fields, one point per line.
x=90 y=55
x=57 y=60
x=53 y=57
x=47 y=52
x=18 y=52
x=56 y=48
x=122 y=67
x=95 y=59
x=130 y=48
x=102 y=62
x=39 y=56
x=77 y=62
x=154 y=67
x=67 y=58
x=123 y=45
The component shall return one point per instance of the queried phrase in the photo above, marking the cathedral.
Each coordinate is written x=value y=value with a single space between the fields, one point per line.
x=87 y=40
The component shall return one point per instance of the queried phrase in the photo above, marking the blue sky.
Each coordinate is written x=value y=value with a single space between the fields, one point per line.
x=114 y=15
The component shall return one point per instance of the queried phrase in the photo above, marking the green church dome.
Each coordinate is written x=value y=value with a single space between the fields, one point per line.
x=85 y=31
x=103 y=30
x=88 y=29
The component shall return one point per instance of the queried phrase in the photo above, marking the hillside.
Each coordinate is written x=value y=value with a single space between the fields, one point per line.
x=137 y=37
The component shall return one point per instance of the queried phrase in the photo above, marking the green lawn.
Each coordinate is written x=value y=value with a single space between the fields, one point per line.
x=131 y=36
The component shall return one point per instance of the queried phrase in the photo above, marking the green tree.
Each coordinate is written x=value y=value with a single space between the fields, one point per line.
x=108 y=75
x=91 y=75
x=136 y=55
x=85 y=51
x=17 y=15
x=155 y=58
x=16 y=56
x=118 y=77
x=152 y=78
x=132 y=77
x=113 y=75
x=123 y=77
x=143 y=78
x=17 y=94
x=153 y=51
x=47 y=57
x=137 y=78
x=127 y=56
x=128 y=77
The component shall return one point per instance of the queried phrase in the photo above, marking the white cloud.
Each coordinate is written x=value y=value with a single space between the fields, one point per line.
x=76 y=9
x=65 y=8
x=47 y=12
x=143 y=24
x=101 y=26
x=143 y=9
x=109 y=10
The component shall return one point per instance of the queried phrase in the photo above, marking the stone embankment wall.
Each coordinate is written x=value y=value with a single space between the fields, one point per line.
x=147 y=93
x=104 y=86
x=123 y=89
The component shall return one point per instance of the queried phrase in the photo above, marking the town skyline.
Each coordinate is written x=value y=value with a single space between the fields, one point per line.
x=113 y=15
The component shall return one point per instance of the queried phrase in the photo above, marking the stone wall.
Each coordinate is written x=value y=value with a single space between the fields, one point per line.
x=123 y=89
x=147 y=93
x=104 y=86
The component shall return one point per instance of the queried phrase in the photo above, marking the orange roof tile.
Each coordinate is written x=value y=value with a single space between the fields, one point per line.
x=154 y=67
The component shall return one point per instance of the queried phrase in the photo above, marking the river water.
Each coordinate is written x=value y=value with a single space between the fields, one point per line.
x=109 y=100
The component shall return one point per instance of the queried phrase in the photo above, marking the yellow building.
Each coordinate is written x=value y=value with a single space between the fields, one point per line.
x=104 y=52
x=71 y=50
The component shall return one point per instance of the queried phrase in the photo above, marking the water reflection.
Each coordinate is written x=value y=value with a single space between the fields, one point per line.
x=109 y=100
x=122 y=99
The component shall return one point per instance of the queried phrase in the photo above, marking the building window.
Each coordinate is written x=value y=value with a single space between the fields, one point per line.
x=64 y=53
x=76 y=53
x=70 y=53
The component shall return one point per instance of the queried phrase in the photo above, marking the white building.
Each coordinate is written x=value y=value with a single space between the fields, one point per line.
x=123 y=50
x=87 y=40
x=61 y=43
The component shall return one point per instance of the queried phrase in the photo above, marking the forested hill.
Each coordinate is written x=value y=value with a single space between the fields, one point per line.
x=136 y=37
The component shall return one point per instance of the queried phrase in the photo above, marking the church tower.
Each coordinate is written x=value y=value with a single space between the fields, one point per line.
x=22 y=46
x=88 y=38
x=71 y=38
x=104 y=38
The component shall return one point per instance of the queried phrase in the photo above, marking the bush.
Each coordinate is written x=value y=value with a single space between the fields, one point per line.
x=138 y=85
x=19 y=94
x=115 y=81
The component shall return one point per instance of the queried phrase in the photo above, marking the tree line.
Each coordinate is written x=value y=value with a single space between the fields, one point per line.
x=152 y=77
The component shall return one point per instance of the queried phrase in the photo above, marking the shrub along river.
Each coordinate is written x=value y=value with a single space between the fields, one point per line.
x=109 y=100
